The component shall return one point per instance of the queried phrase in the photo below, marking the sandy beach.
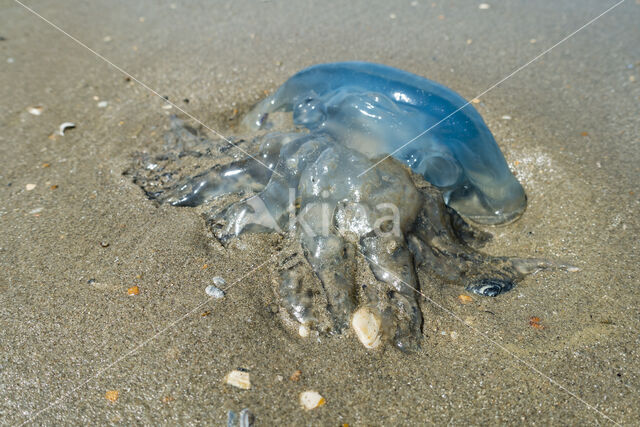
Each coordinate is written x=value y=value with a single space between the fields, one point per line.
x=76 y=234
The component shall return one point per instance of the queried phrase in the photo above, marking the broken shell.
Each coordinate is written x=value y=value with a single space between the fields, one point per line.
x=464 y=299
x=311 y=400
x=303 y=331
x=35 y=110
x=296 y=375
x=111 y=395
x=244 y=420
x=219 y=281
x=102 y=104
x=64 y=126
x=239 y=379
x=367 y=325
x=214 y=292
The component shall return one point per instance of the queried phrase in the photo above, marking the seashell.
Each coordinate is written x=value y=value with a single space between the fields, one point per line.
x=367 y=325
x=64 y=126
x=245 y=419
x=311 y=400
x=239 y=379
x=214 y=292
x=111 y=395
x=36 y=110
x=303 y=331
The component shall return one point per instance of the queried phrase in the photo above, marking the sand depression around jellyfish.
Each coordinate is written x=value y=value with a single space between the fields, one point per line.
x=320 y=176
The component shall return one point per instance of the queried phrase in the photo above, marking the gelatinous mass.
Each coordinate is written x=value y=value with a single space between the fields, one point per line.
x=379 y=110
x=326 y=185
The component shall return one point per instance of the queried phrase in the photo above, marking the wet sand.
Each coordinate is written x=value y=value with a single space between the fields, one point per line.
x=75 y=234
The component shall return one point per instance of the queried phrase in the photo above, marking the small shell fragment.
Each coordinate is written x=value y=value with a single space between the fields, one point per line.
x=311 y=400
x=239 y=379
x=29 y=187
x=111 y=395
x=296 y=376
x=35 y=110
x=134 y=290
x=367 y=326
x=464 y=299
x=534 y=322
x=102 y=104
x=64 y=126
x=303 y=331
x=245 y=419
x=483 y=6
x=219 y=281
x=214 y=292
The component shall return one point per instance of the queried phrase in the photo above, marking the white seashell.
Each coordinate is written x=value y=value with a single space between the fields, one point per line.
x=245 y=418
x=35 y=110
x=64 y=126
x=219 y=281
x=214 y=292
x=303 y=331
x=239 y=379
x=102 y=104
x=483 y=6
x=367 y=326
x=311 y=400
x=29 y=187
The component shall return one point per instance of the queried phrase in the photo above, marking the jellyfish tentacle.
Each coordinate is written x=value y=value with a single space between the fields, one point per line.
x=391 y=263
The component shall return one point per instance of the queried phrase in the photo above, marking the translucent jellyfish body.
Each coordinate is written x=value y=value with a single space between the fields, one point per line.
x=379 y=110
x=358 y=231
